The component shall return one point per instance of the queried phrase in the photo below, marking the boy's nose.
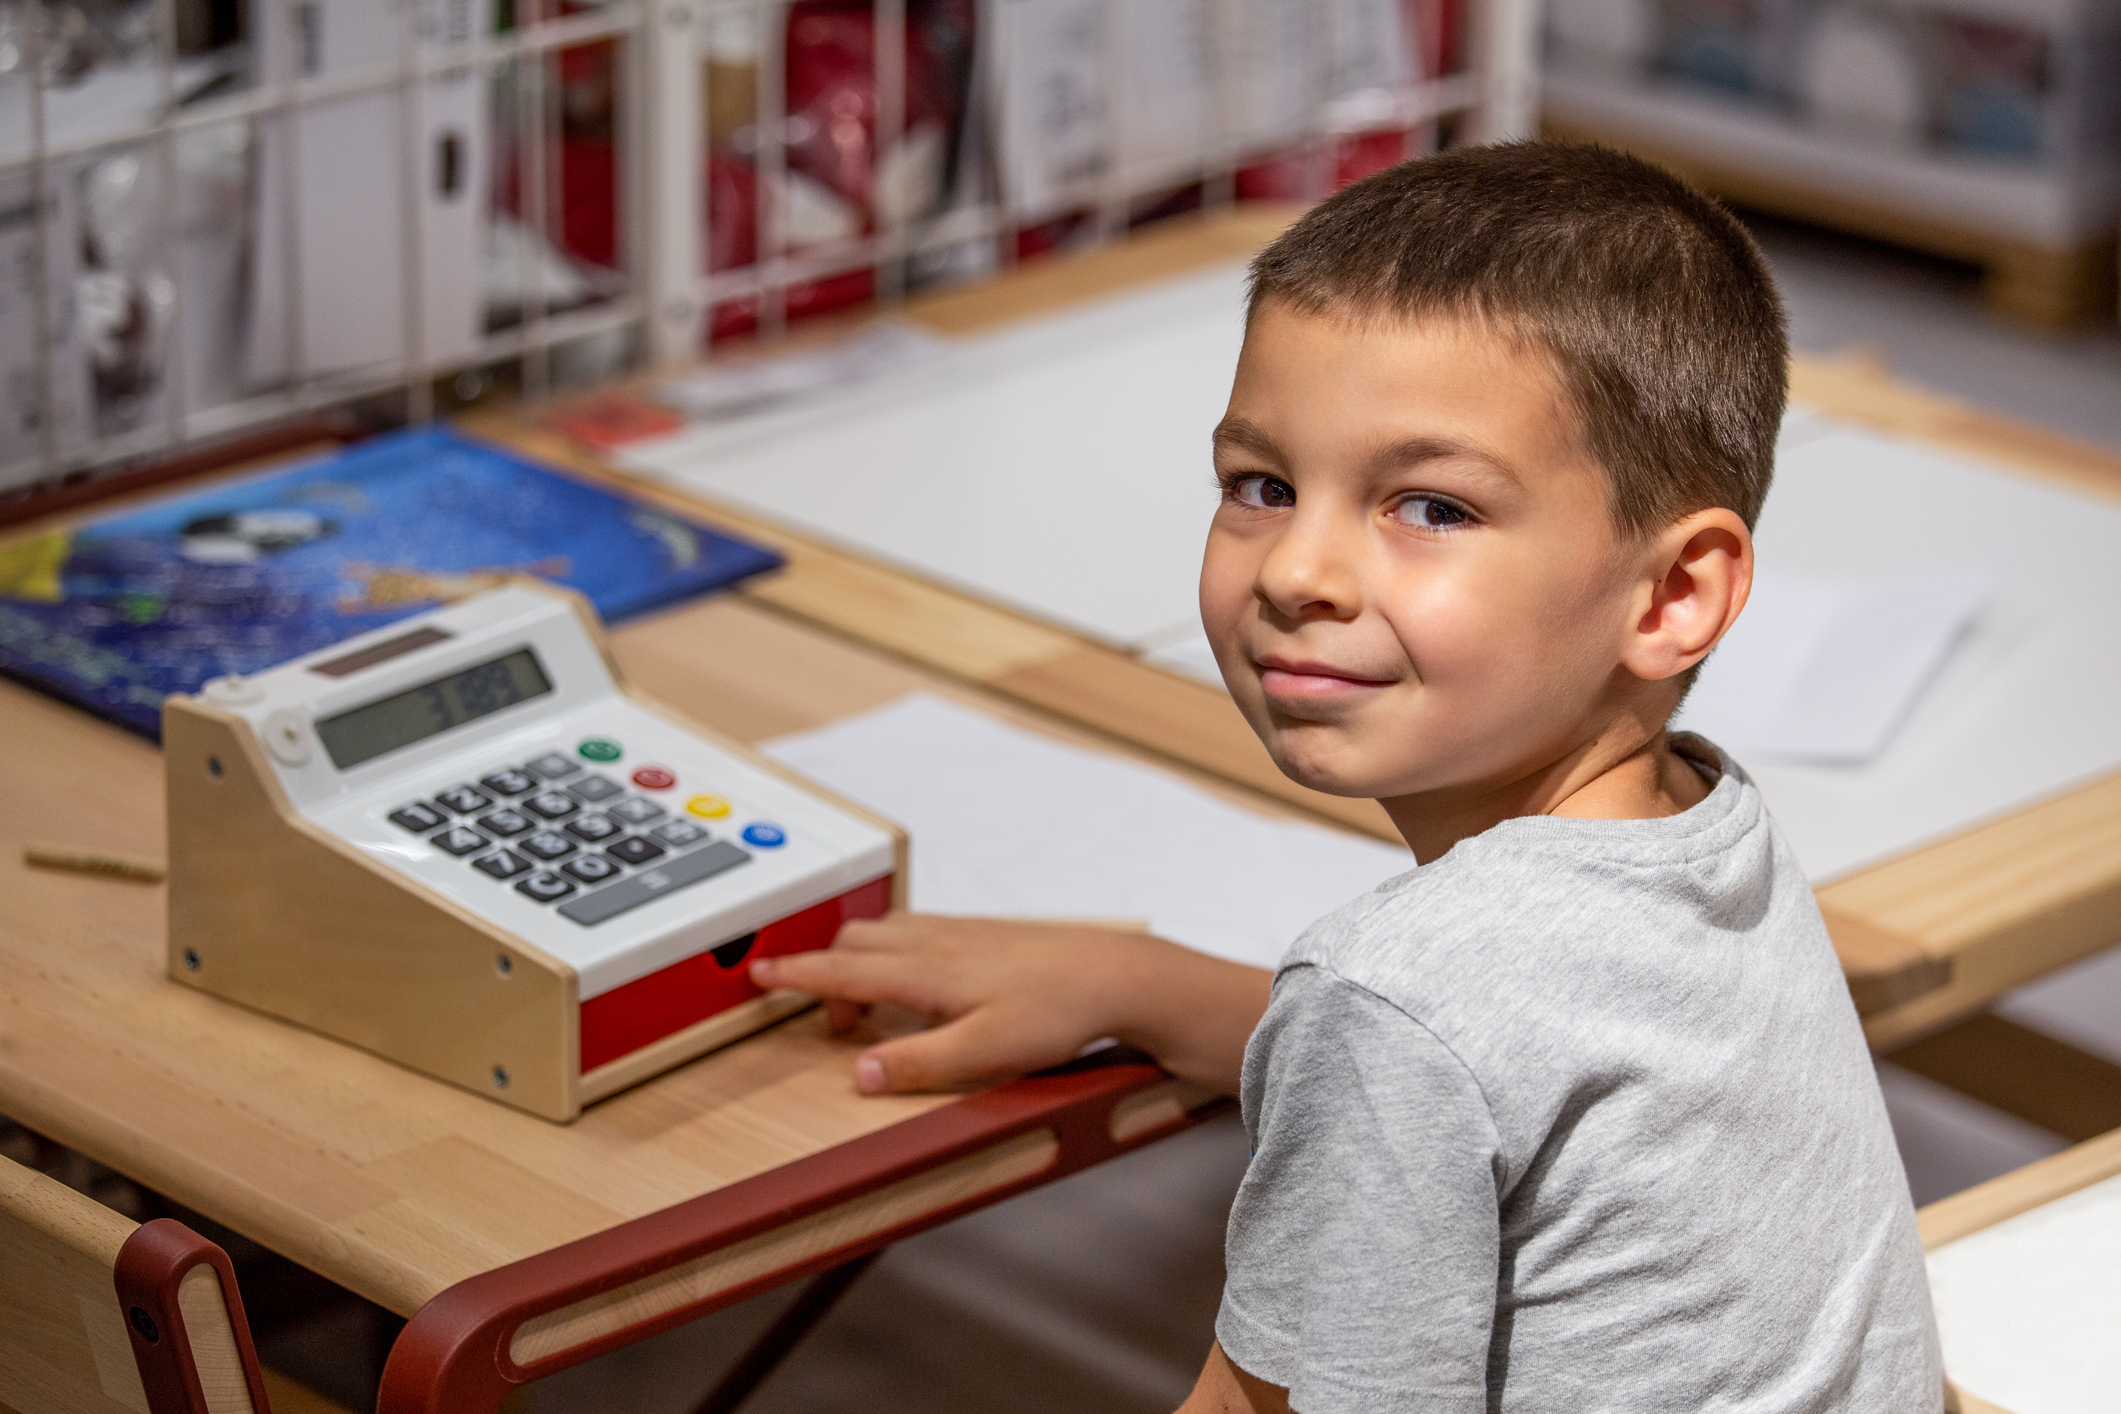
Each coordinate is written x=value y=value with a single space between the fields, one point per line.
x=1308 y=573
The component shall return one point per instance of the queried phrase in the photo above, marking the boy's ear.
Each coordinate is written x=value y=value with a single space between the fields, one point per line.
x=1698 y=574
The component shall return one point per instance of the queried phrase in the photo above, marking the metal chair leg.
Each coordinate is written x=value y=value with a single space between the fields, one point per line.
x=767 y=1352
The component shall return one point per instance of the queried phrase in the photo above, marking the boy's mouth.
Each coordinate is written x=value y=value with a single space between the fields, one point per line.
x=1304 y=678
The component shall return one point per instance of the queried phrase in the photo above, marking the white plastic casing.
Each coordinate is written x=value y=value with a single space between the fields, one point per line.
x=827 y=850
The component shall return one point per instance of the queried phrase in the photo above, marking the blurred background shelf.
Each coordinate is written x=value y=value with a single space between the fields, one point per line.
x=219 y=215
x=2044 y=240
x=1984 y=131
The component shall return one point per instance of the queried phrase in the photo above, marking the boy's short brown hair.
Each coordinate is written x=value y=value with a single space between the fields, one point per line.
x=1651 y=299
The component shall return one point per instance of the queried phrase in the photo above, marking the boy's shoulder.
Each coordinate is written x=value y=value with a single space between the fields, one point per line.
x=1557 y=928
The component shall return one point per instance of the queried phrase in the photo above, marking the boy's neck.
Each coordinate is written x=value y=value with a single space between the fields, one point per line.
x=1620 y=774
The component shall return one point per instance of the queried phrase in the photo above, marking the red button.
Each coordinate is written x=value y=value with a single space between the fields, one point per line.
x=654 y=778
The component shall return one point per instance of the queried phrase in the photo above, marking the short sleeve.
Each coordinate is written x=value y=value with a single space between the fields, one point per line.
x=1364 y=1244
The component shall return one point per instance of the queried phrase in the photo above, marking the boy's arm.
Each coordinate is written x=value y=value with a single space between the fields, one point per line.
x=1362 y=1249
x=1225 y=1389
x=1018 y=997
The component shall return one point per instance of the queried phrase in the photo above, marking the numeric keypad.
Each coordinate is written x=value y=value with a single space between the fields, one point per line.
x=542 y=809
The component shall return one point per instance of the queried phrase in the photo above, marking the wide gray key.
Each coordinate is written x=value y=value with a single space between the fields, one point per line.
x=653 y=883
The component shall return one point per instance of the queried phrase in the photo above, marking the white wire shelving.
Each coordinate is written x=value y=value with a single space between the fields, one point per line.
x=303 y=269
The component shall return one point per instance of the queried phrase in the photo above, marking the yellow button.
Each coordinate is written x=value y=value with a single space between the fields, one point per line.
x=711 y=807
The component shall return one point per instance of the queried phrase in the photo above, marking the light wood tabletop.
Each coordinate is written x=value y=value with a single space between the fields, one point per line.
x=2020 y=1191
x=391 y=1184
x=1927 y=938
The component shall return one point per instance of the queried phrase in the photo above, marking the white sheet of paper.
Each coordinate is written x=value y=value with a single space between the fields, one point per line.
x=1008 y=824
x=1060 y=466
x=1824 y=669
x=2029 y=1310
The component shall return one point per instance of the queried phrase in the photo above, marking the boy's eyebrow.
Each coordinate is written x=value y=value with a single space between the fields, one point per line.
x=1412 y=451
x=1241 y=435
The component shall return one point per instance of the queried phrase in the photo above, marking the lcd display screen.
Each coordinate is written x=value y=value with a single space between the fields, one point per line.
x=432 y=708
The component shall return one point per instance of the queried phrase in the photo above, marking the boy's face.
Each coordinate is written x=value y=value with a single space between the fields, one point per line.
x=1413 y=583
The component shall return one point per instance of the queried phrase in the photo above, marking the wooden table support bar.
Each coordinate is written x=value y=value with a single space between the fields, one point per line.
x=471 y=1344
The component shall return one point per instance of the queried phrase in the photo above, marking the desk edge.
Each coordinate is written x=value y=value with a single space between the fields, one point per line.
x=453 y=1356
x=2020 y=1191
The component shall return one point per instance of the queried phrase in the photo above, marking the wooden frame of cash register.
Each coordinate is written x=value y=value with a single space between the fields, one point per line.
x=297 y=922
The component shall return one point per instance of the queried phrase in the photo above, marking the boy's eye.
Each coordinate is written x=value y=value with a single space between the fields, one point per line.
x=1431 y=513
x=1263 y=492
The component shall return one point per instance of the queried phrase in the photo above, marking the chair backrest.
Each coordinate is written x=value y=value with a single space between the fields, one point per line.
x=99 y=1315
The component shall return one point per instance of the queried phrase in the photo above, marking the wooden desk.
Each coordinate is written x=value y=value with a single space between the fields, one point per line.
x=1927 y=939
x=515 y=1245
x=497 y=1232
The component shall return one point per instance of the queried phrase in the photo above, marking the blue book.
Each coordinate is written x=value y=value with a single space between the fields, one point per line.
x=116 y=614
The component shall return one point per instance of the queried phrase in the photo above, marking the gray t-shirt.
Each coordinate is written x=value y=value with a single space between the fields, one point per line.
x=1576 y=1118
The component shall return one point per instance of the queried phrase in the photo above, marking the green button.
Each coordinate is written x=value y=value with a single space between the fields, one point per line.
x=599 y=748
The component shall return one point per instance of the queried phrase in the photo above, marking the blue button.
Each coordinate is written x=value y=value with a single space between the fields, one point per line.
x=763 y=835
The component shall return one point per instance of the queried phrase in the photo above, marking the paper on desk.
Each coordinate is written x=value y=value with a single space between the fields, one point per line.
x=1824 y=669
x=731 y=390
x=1008 y=824
x=2027 y=1310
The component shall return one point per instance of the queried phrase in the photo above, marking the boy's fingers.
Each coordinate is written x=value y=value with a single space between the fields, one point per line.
x=901 y=933
x=841 y=1013
x=924 y=1061
x=972 y=1050
x=826 y=973
x=861 y=933
x=861 y=980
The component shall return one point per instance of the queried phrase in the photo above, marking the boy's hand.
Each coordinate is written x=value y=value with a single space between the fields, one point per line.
x=1017 y=997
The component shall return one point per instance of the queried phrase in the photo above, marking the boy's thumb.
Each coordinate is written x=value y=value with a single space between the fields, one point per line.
x=917 y=1062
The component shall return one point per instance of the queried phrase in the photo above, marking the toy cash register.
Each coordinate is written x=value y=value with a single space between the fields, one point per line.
x=460 y=842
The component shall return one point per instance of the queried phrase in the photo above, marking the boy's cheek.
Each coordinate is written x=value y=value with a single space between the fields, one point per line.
x=1225 y=600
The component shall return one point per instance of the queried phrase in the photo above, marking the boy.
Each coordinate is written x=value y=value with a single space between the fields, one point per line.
x=1576 y=1115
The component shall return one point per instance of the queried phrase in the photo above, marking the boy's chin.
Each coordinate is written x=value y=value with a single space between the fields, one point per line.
x=1311 y=756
